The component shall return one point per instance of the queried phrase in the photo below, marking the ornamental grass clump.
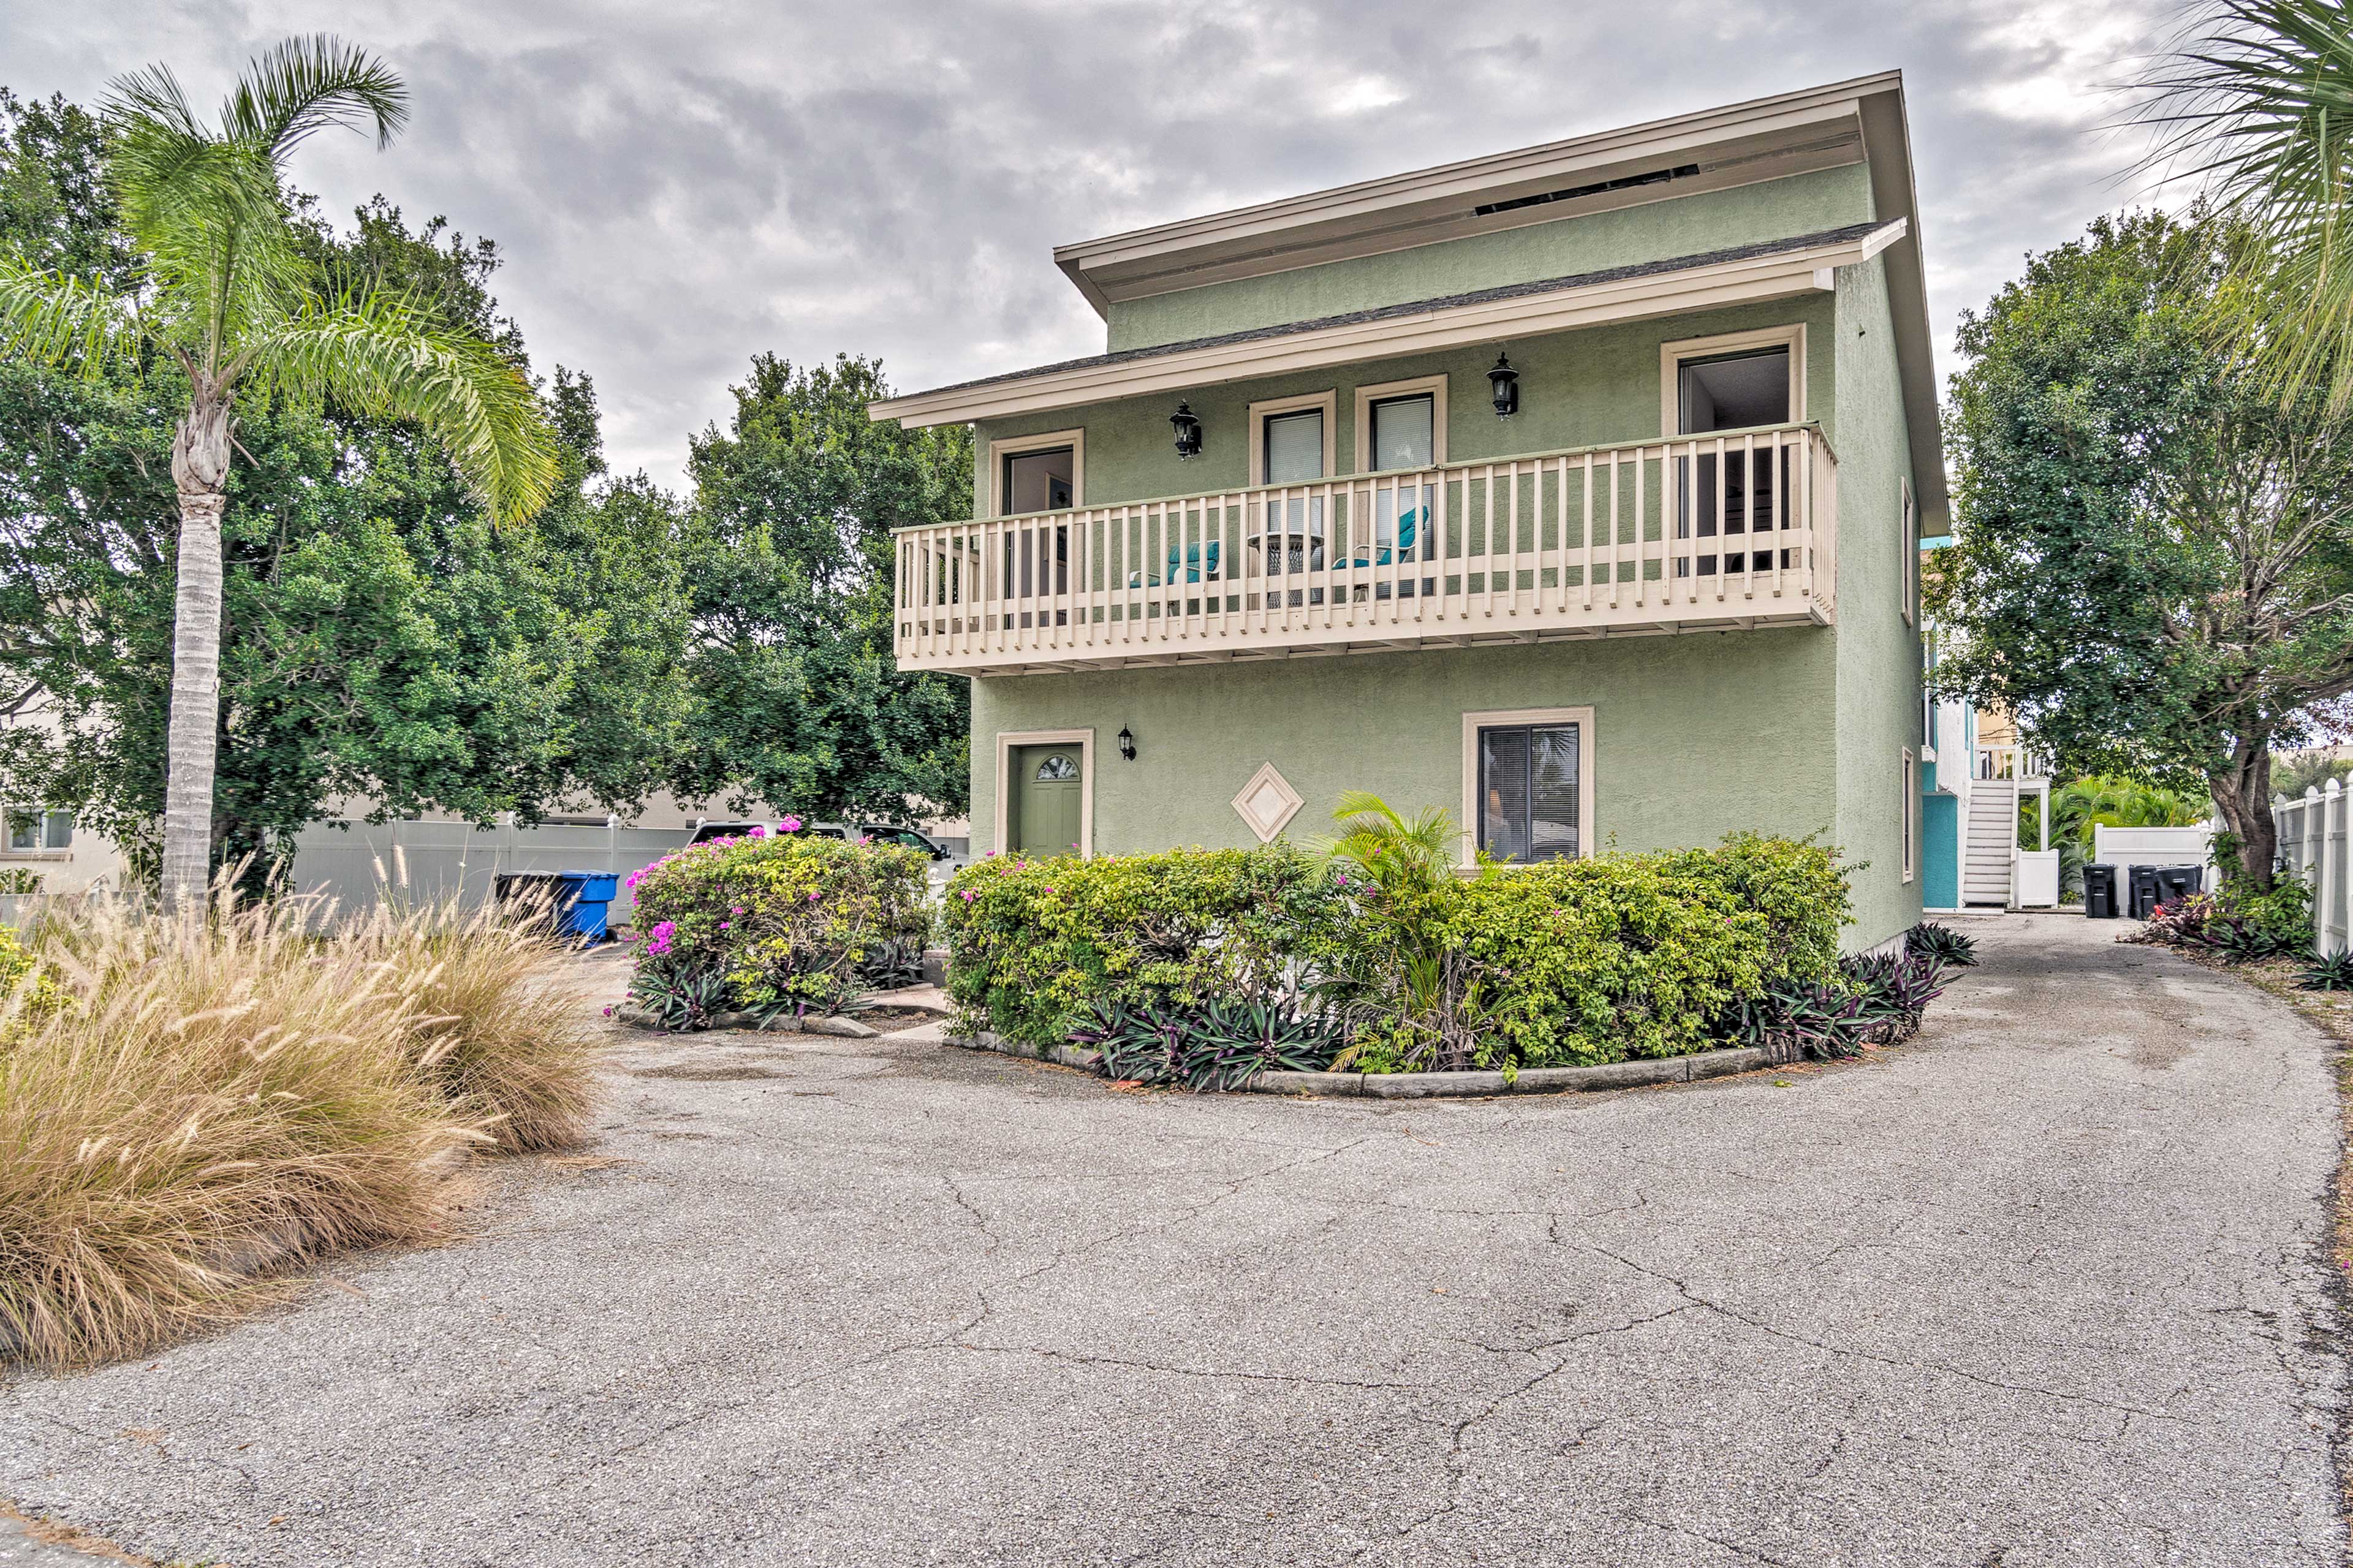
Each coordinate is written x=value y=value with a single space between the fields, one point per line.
x=775 y=924
x=211 y=1100
x=506 y=1052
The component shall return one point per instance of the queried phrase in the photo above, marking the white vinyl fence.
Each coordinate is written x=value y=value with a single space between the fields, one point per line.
x=2125 y=848
x=2312 y=844
x=352 y=861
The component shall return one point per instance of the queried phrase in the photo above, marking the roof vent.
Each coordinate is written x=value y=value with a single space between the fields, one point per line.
x=1654 y=177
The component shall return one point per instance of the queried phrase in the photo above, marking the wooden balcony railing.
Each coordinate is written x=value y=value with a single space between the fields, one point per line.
x=1731 y=530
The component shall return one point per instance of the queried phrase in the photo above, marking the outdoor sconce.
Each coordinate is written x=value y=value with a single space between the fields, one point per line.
x=1507 y=382
x=1188 y=431
x=1126 y=744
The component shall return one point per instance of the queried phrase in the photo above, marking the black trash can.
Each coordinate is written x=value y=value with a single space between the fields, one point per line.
x=543 y=886
x=2143 y=892
x=2100 y=891
x=2175 y=883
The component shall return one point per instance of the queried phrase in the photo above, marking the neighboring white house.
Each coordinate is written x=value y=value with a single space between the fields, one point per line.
x=341 y=851
x=38 y=836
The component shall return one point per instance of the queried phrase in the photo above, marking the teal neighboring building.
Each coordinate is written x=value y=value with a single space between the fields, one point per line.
x=1577 y=489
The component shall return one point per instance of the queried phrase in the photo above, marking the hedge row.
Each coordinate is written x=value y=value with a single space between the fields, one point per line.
x=1577 y=962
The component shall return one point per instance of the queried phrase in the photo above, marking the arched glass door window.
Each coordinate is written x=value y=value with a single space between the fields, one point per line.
x=1056 y=769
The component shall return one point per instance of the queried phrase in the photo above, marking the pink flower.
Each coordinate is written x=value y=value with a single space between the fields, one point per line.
x=813 y=898
x=726 y=924
x=758 y=832
x=790 y=824
x=735 y=909
x=969 y=895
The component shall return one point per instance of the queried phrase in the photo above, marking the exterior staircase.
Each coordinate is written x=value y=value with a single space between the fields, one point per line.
x=1992 y=838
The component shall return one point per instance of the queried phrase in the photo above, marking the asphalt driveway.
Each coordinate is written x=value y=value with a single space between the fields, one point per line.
x=2050 y=1286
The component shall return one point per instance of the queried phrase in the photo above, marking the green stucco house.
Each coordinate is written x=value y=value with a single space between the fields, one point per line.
x=1574 y=488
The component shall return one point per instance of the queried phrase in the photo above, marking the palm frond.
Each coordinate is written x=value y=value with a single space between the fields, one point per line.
x=382 y=355
x=2258 y=108
x=308 y=84
x=51 y=319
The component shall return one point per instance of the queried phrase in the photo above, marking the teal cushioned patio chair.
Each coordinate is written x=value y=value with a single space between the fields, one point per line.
x=1195 y=566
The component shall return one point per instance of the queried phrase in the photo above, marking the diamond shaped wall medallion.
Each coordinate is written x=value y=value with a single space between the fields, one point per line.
x=1267 y=803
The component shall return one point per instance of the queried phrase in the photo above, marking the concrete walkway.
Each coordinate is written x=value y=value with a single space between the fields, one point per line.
x=2050 y=1286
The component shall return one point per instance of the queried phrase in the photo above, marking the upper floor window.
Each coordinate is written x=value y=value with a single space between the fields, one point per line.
x=1404 y=432
x=1039 y=482
x=1401 y=425
x=1738 y=381
x=1045 y=472
x=1738 y=391
x=1294 y=446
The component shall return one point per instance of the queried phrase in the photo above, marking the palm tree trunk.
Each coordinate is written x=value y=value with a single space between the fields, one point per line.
x=200 y=470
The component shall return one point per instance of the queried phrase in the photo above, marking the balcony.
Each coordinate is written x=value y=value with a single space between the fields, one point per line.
x=1733 y=530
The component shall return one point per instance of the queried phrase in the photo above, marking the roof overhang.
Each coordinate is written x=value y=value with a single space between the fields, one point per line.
x=1706 y=286
x=1738 y=144
x=1858 y=120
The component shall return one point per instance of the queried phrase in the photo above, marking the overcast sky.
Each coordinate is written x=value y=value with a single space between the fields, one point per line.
x=678 y=186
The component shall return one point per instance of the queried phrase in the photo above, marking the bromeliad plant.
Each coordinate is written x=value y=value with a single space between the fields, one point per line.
x=2333 y=973
x=1218 y=1046
x=1949 y=947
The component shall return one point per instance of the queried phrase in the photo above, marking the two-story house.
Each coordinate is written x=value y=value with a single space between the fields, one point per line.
x=1573 y=489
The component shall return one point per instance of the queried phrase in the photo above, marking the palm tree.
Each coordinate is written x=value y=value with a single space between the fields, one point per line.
x=2258 y=105
x=225 y=294
x=1393 y=851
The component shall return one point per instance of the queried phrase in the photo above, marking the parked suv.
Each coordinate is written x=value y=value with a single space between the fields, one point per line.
x=710 y=828
x=882 y=832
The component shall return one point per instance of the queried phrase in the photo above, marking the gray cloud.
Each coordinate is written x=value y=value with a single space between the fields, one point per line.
x=677 y=186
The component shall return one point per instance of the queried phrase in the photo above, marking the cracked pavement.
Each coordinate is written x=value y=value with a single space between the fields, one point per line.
x=2049 y=1285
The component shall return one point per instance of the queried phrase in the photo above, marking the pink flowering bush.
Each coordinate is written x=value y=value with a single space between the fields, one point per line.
x=764 y=924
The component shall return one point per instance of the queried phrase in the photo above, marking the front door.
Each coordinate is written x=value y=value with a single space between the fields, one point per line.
x=1044 y=818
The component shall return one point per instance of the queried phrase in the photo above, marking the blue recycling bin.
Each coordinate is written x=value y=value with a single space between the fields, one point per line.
x=578 y=903
x=582 y=903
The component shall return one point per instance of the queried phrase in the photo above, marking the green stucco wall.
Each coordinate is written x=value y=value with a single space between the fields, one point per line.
x=1653 y=231
x=1577 y=389
x=1790 y=730
x=1879 y=648
x=1693 y=736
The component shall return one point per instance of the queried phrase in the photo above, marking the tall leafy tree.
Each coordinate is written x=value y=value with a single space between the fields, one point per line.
x=384 y=649
x=2154 y=566
x=223 y=292
x=788 y=564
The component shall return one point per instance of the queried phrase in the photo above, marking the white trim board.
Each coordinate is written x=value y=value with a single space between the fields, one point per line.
x=1327 y=400
x=1671 y=356
x=1435 y=385
x=1775 y=275
x=1760 y=138
x=1506 y=718
x=1014 y=445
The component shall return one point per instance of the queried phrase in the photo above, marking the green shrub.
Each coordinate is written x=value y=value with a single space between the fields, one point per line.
x=1556 y=964
x=1034 y=944
x=2280 y=920
x=791 y=921
x=1599 y=960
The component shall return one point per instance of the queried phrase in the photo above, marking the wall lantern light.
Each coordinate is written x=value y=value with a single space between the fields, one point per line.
x=1507 y=382
x=1126 y=744
x=1188 y=431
